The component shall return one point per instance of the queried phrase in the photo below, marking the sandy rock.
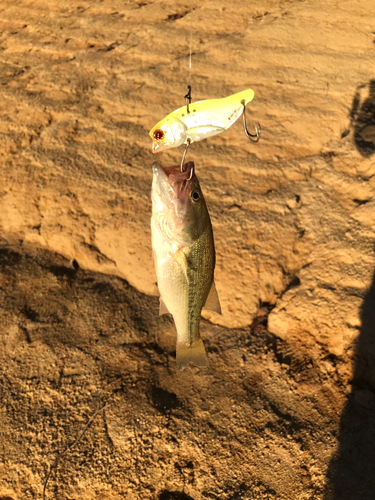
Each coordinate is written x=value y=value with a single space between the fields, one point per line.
x=293 y=216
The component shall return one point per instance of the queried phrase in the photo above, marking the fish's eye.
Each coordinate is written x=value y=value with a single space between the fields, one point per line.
x=158 y=134
x=195 y=195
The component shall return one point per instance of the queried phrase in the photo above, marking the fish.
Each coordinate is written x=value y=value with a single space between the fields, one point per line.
x=184 y=256
x=205 y=119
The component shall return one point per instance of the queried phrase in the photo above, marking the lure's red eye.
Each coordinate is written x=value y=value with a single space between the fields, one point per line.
x=158 y=134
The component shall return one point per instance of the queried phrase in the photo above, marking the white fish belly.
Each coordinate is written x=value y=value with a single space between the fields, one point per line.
x=184 y=291
x=174 y=291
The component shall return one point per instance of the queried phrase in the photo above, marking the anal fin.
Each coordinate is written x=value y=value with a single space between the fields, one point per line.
x=163 y=309
x=212 y=302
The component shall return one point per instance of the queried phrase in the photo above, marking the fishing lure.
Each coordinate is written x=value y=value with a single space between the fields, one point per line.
x=201 y=120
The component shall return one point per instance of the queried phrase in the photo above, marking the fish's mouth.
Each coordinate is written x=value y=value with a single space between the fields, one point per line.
x=178 y=178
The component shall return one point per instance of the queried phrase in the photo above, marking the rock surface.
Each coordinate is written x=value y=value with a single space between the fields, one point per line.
x=294 y=224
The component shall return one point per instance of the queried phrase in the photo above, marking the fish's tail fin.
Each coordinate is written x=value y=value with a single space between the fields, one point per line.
x=195 y=353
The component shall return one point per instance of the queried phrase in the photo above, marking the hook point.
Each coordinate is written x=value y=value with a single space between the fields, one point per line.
x=253 y=137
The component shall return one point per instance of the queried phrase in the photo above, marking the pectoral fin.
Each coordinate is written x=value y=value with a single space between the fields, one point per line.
x=212 y=302
x=162 y=307
x=182 y=261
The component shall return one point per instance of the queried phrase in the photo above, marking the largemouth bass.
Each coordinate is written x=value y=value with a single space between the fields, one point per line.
x=184 y=255
x=205 y=119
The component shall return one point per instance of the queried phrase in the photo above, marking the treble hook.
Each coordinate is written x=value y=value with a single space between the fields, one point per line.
x=252 y=137
x=183 y=158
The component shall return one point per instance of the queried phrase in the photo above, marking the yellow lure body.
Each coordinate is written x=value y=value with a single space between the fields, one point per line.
x=205 y=119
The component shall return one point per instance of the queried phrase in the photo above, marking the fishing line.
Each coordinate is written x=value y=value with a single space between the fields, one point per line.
x=188 y=95
x=191 y=44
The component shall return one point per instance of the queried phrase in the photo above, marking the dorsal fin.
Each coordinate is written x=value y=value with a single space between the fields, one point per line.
x=212 y=302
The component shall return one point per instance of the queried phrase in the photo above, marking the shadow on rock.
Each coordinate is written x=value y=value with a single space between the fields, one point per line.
x=362 y=116
x=351 y=471
x=174 y=495
x=163 y=400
